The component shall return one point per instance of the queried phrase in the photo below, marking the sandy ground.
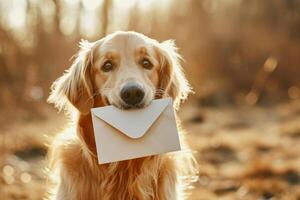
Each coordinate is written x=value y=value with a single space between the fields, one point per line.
x=243 y=152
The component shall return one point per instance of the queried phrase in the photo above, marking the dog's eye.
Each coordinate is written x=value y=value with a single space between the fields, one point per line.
x=107 y=66
x=146 y=64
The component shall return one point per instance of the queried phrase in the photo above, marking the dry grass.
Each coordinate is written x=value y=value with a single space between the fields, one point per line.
x=243 y=152
x=246 y=152
x=236 y=52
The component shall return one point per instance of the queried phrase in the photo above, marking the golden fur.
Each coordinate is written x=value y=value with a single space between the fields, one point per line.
x=74 y=171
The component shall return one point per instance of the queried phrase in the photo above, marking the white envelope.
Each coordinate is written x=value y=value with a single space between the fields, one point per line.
x=128 y=134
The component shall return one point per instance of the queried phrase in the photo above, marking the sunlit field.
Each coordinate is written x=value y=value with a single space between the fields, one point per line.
x=241 y=58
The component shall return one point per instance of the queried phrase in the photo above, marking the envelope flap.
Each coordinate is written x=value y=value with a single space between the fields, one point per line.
x=133 y=123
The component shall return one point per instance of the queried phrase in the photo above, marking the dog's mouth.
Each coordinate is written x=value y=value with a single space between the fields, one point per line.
x=123 y=106
x=138 y=106
x=131 y=100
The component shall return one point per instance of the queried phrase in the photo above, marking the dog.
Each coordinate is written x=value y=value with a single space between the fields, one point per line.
x=127 y=70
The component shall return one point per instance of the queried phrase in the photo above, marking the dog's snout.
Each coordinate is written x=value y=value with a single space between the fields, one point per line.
x=132 y=94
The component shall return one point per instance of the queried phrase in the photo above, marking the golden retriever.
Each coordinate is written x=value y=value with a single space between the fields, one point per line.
x=127 y=70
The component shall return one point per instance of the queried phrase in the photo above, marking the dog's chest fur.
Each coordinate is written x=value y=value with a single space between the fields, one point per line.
x=82 y=178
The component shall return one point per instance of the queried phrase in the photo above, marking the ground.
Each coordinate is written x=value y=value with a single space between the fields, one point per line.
x=243 y=152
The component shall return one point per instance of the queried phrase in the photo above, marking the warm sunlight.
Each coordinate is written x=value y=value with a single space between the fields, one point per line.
x=15 y=12
x=239 y=127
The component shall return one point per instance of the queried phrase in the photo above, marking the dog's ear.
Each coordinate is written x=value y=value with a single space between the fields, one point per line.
x=75 y=85
x=171 y=77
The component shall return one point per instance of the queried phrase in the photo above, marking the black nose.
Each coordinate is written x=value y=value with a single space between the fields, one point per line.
x=132 y=94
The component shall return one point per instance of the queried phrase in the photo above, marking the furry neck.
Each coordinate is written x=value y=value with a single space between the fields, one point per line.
x=85 y=128
x=86 y=133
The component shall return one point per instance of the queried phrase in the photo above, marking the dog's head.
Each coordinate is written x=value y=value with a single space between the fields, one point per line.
x=125 y=69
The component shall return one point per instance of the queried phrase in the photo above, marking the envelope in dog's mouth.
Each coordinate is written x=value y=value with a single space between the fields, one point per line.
x=149 y=131
x=133 y=123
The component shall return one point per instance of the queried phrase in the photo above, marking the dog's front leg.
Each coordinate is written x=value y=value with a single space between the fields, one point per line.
x=60 y=193
x=168 y=190
x=64 y=189
x=167 y=182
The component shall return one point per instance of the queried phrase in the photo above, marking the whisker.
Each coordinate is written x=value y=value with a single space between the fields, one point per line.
x=160 y=91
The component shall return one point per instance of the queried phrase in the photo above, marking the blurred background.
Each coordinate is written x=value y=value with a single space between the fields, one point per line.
x=241 y=57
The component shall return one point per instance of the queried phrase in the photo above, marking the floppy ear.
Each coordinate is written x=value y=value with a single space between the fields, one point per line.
x=75 y=85
x=171 y=77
